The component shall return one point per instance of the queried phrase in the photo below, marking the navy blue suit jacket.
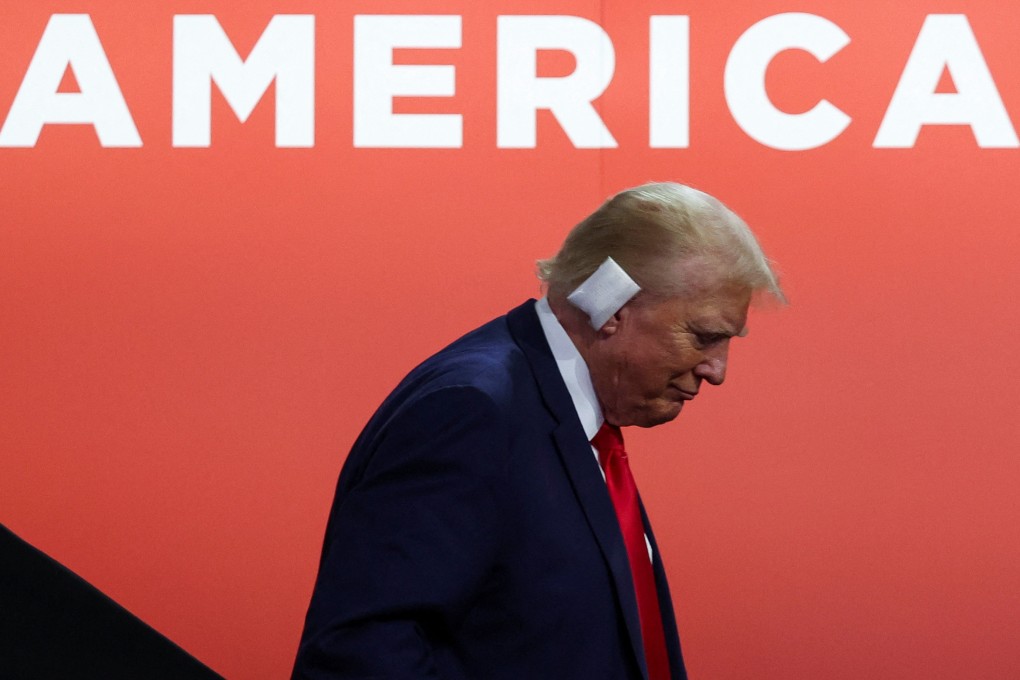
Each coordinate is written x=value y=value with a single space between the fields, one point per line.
x=472 y=535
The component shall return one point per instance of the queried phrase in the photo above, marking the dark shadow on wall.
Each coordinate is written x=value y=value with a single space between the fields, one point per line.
x=54 y=625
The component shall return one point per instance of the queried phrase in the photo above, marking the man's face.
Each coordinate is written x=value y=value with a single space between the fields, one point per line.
x=655 y=353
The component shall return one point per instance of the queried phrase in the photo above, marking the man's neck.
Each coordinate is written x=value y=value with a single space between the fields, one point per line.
x=575 y=323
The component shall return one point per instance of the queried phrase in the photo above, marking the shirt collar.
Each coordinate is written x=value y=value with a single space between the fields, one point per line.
x=572 y=368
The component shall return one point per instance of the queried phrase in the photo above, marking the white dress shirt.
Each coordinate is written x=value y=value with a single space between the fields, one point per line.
x=573 y=369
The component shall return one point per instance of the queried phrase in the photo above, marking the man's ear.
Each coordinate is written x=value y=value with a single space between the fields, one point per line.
x=612 y=325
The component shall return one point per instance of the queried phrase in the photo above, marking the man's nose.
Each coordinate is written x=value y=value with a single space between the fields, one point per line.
x=713 y=367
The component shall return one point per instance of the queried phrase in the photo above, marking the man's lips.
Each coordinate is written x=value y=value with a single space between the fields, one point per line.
x=684 y=394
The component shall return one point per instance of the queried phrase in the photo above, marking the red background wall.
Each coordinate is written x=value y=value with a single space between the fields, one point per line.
x=192 y=338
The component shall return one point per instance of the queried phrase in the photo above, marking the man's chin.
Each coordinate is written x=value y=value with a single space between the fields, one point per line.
x=660 y=414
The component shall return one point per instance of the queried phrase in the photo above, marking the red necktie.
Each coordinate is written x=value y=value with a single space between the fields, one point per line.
x=623 y=492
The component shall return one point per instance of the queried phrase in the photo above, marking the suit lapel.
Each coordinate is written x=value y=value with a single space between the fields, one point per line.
x=576 y=454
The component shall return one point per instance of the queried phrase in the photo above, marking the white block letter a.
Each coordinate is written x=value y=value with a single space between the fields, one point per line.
x=70 y=40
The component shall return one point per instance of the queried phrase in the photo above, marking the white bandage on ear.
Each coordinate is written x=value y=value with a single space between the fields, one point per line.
x=603 y=293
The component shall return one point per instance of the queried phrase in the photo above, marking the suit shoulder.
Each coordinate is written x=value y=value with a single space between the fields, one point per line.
x=486 y=360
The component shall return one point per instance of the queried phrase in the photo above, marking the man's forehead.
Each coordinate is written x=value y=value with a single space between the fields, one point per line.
x=722 y=310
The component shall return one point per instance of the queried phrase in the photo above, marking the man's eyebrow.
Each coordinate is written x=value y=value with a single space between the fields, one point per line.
x=719 y=333
x=721 y=328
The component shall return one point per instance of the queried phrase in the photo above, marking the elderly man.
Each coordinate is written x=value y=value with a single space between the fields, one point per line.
x=486 y=524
